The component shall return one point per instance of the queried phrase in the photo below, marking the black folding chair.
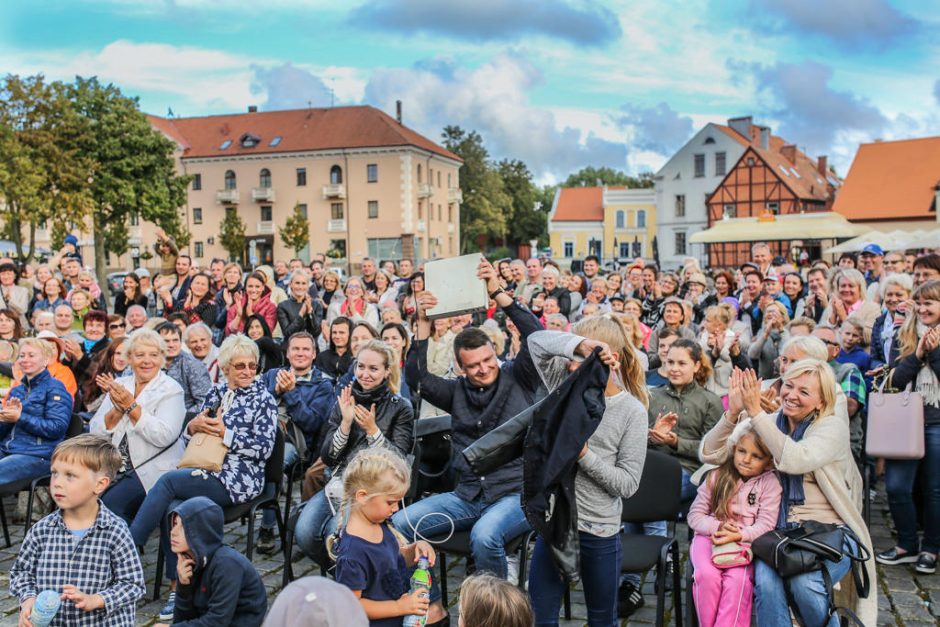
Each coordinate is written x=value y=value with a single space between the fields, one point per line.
x=76 y=427
x=657 y=498
x=268 y=499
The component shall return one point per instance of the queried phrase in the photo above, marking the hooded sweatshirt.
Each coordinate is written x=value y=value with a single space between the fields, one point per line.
x=225 y=589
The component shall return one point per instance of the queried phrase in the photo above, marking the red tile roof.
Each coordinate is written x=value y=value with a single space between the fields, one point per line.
x=895 y=179
x=581 y=204
x=801 y=175
x=300 y=130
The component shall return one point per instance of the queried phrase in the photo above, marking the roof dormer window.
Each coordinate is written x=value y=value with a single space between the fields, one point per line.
x=249 y=141
x=709 y=140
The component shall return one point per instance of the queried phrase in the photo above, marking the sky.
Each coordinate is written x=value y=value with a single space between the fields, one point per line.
x=559 y=84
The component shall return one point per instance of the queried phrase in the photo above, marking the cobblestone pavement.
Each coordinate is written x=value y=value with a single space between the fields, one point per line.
x=905 y=599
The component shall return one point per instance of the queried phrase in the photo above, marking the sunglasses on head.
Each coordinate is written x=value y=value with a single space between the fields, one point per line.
x=241 y=366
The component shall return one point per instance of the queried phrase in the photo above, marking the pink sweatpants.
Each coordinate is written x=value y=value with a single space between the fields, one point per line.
x=723 y=596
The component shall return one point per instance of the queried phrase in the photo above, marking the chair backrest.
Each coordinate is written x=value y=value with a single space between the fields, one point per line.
x=658 y=496
x=274 y=467
x=76 y=426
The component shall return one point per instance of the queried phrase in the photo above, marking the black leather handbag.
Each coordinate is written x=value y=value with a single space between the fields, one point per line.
x=803 y=549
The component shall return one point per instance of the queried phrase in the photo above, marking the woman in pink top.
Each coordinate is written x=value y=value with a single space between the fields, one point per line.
x=737 y=502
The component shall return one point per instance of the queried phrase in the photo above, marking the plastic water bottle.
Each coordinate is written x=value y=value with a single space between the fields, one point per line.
x=45 y=608
x=420 y=581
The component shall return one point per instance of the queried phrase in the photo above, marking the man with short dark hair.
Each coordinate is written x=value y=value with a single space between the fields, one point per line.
x=216 y=270
x=406 y=268
x=316 y=276
x=592 y=265
x=486 y=396
x=817 y=297
x=304 y=397
x=368 y=274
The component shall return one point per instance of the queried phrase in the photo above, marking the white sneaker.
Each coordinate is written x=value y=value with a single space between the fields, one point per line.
x=512 y=569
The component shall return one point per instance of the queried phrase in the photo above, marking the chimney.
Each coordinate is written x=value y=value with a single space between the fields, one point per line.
x=398 y=111
x=742 y=126
x=822 y=164
x=252 y=108
x=789 y=153
x=764 y=137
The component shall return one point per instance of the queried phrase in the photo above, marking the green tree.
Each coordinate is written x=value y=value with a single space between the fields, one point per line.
x=591 y=176
x=232 y=235
x=529 y=217
x=132 y=168
x=485 y=201
x=42 y=173
x=296 y=231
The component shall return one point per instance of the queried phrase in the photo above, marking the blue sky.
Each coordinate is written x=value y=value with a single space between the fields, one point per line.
x=558 y=83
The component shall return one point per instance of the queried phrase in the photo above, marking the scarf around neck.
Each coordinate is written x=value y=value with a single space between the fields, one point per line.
x=927 y=383
x=792 y=484
x=367 y=398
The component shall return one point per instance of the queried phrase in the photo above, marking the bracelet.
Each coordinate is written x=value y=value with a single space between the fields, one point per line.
x=497 y=292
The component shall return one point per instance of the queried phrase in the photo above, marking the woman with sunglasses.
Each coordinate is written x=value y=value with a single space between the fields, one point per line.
x=244 y=414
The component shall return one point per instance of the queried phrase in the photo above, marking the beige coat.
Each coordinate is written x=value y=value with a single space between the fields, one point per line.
x=823 y=451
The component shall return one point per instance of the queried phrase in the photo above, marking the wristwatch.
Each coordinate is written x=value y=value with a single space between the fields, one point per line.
x=497 y=292
x=132 y=407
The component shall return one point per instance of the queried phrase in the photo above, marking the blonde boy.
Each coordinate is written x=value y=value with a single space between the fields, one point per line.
x=81 y=550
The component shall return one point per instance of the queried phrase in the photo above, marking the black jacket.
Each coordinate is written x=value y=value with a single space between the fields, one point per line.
x=290 y=321
x=560 y=428
x=475 y=412
x=225 y=590
x=394 y=418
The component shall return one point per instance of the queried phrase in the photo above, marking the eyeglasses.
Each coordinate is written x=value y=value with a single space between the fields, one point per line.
x=242 y=365
x=119 y=325
x=829 y=342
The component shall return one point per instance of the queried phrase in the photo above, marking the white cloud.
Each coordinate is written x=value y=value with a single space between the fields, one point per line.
x=493 y=99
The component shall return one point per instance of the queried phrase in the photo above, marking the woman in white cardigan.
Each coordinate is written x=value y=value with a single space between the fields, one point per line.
x=810 y=447
x=143 y=415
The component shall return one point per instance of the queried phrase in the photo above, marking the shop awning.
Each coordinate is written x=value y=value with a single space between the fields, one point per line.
x=801 y=226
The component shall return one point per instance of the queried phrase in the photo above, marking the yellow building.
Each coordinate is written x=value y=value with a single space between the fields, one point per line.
x=610 y=222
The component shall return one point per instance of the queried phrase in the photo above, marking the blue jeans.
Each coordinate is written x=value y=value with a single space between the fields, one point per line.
x=491 y=525
x=268 y=521
x=314 y=525
x=899 y=484
x=175 y=485
x=808 y=589
x=600 y=567
x=17 y=467
x=125 y=497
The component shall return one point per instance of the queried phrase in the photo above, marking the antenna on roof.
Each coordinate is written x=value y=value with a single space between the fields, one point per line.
x=169 y=112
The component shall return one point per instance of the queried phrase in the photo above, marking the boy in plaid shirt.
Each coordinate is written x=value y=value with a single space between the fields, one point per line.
x=82 y=549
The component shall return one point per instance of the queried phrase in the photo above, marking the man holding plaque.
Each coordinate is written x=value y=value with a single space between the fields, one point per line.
x=484 y=397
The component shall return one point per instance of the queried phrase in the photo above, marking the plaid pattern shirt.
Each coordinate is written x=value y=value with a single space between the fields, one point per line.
x=854 y=386
x=104 y=562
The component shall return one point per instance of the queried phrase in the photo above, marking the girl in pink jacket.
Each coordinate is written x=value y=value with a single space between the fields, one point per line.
x=737 y=502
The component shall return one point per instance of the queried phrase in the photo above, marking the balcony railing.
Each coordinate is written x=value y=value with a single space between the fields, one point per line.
x=334 y=190
x=336 y=226
x=424 y=190
x=263 y=194
x=266 y=227
x=454 y=194
x=227 y=196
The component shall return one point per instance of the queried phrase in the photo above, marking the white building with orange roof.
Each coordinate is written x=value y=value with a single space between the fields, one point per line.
x=687 y=179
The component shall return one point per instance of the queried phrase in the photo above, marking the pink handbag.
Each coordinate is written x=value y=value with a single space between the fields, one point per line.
x=731 y=555
x=895 y=424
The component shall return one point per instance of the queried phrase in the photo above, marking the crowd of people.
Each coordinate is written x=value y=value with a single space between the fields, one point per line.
x=755 y=379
